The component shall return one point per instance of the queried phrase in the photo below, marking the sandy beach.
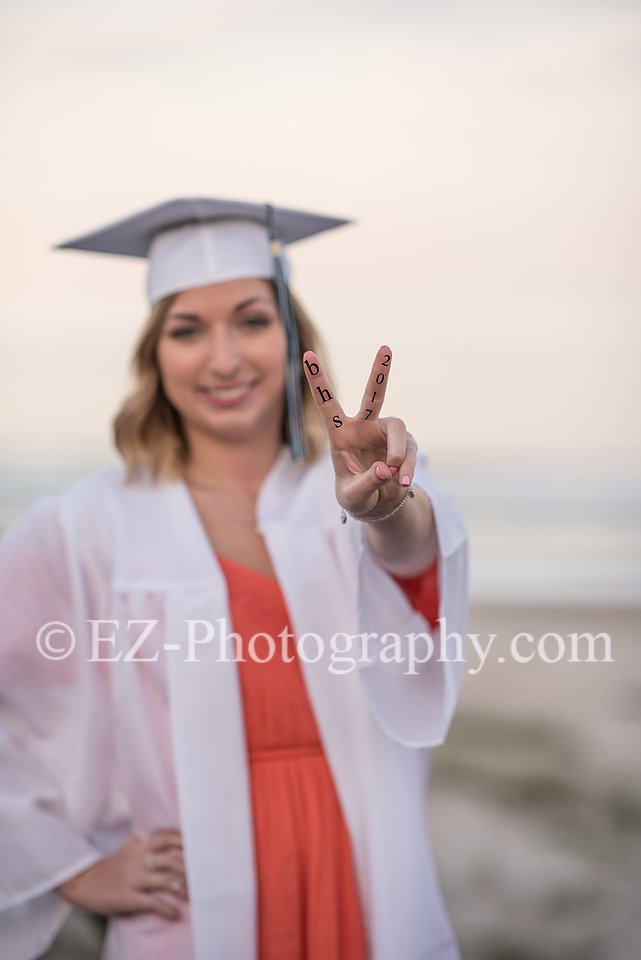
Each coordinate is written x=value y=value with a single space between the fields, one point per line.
x=535 y=799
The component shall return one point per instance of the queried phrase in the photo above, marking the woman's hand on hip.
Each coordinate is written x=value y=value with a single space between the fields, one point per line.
x=374 y=457
x=144 y=876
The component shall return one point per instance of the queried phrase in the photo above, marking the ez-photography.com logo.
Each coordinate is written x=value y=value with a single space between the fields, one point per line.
x=344 y=652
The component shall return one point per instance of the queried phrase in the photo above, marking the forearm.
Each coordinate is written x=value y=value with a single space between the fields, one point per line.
x=407 y=543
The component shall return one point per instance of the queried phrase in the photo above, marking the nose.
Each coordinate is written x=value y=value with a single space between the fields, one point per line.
x=224 y=359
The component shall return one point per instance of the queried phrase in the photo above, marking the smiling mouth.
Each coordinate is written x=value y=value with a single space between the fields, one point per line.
x=231 y=396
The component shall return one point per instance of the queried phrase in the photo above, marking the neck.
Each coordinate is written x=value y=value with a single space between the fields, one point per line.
x=225 y=464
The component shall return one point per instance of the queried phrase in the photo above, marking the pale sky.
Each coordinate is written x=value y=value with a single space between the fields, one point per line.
x=488 y=152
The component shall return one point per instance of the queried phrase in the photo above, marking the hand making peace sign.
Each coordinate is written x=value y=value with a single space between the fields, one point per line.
x=374 y=458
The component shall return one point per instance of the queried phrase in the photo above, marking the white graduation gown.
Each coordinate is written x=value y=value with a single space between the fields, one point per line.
x=91 y=751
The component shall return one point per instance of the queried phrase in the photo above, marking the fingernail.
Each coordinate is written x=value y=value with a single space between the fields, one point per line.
x=379 y=474
x=394 y=471
x=405 y=482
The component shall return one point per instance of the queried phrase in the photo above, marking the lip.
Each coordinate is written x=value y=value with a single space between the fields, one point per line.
x=230 y=396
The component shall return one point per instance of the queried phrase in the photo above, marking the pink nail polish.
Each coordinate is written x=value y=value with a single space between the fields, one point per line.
x=394 y=471
x=379 y=474
x=405 y=482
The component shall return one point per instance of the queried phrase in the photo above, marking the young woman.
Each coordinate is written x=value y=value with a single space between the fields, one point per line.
x=220 y=687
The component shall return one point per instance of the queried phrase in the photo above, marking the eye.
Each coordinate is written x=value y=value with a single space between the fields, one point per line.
x=183 y=333
x=256 y=321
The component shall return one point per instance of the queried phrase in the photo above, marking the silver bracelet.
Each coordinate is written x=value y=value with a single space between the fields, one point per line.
x=346 y=513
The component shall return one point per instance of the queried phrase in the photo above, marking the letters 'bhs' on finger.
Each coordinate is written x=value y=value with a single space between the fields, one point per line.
x=323 y=392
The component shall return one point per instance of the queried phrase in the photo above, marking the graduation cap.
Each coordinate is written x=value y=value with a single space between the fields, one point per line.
x=194 y=242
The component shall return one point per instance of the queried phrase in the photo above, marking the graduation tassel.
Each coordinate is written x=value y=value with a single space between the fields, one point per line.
x=295 y=422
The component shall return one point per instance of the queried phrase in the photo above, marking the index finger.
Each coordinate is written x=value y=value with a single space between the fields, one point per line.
x=161 y=839
x=376 y=385
x=322 y=391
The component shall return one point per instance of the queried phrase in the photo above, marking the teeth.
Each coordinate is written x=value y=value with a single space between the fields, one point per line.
x=228 y=393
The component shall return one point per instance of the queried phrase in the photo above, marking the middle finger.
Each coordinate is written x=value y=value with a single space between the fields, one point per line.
x=170 y=860
x=376 y=385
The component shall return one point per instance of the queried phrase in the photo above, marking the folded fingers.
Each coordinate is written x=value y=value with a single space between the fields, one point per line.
x=401 y=450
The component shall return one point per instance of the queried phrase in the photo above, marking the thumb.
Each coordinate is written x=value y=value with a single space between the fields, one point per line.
x=379 y=474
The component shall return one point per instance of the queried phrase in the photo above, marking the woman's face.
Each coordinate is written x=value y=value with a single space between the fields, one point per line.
x=221 y=355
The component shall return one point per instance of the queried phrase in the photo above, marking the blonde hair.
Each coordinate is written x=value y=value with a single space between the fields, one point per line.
x=148 y=430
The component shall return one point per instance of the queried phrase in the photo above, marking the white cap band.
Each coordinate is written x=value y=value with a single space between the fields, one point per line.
x=198 y=254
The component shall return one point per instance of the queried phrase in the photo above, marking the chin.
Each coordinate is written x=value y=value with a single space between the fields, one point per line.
x=234 y=428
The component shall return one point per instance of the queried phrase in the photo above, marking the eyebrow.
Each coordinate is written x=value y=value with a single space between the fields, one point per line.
x=195 y=317
x=247 y=303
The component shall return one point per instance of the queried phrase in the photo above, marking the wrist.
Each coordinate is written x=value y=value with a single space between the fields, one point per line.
x=382 y=512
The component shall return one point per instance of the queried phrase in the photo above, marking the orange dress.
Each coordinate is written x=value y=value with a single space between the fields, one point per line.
x=308 y=903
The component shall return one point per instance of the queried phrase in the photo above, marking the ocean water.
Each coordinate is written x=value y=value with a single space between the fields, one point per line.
x=550 y=534
x=540 y=533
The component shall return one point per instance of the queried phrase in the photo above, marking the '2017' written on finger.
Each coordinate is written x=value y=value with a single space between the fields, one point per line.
x=384 y=363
